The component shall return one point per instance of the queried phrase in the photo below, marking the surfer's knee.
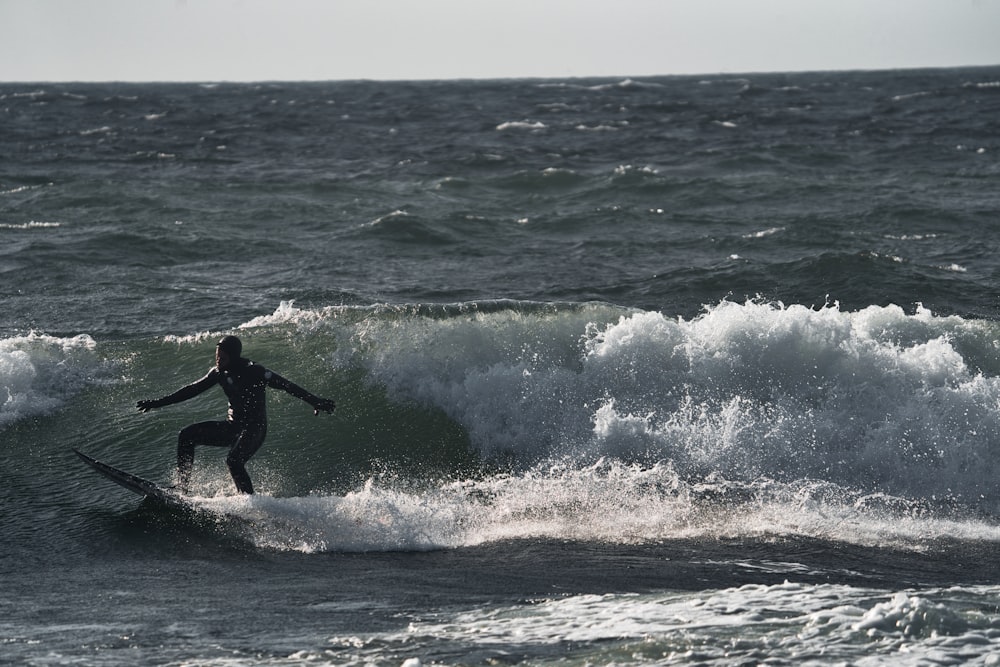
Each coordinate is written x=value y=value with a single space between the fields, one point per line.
x=186 y=437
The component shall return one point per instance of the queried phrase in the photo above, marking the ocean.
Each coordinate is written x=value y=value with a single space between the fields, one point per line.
x=697 y=370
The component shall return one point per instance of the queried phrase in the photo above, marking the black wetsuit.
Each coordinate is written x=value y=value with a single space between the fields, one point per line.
x=244 y=383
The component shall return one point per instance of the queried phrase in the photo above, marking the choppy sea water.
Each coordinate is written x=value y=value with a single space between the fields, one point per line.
x=688 y=370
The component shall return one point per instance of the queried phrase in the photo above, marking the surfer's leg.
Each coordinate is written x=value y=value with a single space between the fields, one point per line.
x=217 y=434
x=246 y=446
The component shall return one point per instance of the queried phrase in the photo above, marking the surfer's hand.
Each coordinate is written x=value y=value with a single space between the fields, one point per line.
x=325 y=405
x=146 y=406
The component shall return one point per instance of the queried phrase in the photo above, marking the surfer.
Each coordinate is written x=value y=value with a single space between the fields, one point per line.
x=243 y=432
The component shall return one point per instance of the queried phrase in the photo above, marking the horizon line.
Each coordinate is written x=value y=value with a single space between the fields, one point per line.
x=624 y=77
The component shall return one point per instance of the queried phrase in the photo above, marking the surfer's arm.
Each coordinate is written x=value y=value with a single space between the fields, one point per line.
x=182 y=394
x=317 y=403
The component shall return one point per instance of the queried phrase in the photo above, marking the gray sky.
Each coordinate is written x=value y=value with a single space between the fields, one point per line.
x=254 y=40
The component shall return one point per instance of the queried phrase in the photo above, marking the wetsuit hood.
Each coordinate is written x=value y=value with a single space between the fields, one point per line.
x=232 y=346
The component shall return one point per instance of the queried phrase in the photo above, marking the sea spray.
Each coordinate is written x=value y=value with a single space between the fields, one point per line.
x=607 y=502
x=39 y=372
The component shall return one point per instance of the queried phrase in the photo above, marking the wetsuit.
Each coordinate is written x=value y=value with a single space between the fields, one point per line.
x=244 y=383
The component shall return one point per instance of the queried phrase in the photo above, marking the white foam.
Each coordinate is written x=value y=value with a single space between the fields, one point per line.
x=764 y=233
x=39 y=372
x=910 y=616
x=285 y=313
x=790 y=623
x=606 y=502
x=370 y=519
x=33 y=224
x=876 y=399
x=521 y=125
x=603 y=127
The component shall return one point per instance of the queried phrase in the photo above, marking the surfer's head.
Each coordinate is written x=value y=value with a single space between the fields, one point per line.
x=227 y=350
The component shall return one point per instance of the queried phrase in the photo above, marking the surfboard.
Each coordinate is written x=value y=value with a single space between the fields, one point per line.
x=143 y=487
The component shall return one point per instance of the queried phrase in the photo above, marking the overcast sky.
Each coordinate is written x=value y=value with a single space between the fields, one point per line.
x=255 y=40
